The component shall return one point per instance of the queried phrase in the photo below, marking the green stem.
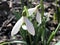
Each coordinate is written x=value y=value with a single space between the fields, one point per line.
x=30 y=39
x=42 y=8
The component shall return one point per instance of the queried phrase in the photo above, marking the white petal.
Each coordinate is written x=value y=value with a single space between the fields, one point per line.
x=38 y=18
x=10 y=4
x=24 y=27
x=17 y=26
x=29 y=26
x=45 y=14
x=31 y=10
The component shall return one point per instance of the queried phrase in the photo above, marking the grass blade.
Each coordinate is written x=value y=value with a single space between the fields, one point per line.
x=53 y=34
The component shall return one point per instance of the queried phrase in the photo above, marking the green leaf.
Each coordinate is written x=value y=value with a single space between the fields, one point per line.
x=54 y=17
x=17 y=15
x=42 y=8
x=53 y=34
x=21 y=42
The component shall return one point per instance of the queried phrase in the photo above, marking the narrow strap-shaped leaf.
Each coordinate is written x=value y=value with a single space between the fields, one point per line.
x=21 y=42
x=42 y=8
x=53 y=34
x=17 y=15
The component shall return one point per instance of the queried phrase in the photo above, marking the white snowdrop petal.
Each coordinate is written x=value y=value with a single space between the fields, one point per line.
x=17 y=26
x=31 y=10
x=29 y=26
x=45 y=14
x=10 y=4
x=38 y=17
x=24 y=27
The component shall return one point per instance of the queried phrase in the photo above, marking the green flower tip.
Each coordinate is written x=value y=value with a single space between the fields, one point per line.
x=24 y=13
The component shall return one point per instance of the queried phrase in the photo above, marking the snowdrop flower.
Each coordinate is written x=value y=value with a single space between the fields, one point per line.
x=31 y=11
x=19 y=23
x=38 y=15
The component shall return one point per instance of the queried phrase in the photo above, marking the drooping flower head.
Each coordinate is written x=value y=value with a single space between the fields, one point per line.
x=29 y=26
x=38 y=15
